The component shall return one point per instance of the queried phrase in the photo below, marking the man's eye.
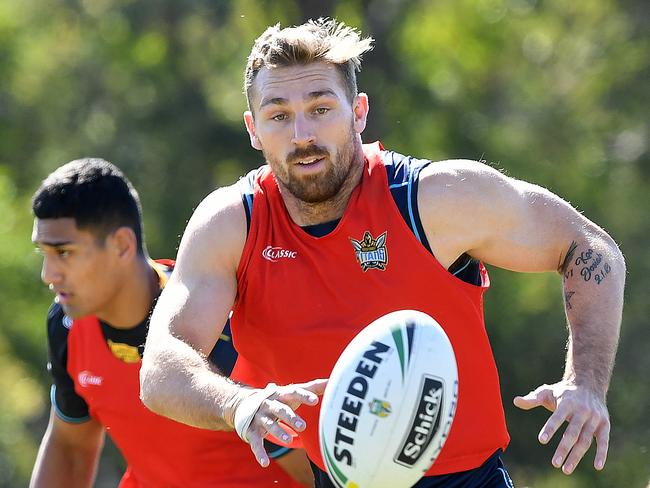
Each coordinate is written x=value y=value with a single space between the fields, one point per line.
x=279 y=117
x=64 y=253
x=322 y=110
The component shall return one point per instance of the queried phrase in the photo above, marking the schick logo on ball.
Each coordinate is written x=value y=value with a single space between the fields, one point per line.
x=425 y=422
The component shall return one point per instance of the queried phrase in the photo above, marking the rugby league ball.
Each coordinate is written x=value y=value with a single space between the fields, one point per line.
x=389 y=403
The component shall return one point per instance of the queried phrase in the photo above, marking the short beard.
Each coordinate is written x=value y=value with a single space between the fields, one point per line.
x=323 y=187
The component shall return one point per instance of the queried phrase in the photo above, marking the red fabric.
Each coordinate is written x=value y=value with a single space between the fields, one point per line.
x=159 y=451
x=294 y=315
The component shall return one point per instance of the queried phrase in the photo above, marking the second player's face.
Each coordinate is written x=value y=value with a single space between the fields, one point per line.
x=306 y=127
x=77 y=268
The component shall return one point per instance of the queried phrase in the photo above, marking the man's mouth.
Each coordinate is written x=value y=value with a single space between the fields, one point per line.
x=62 y=297
x=308 y=161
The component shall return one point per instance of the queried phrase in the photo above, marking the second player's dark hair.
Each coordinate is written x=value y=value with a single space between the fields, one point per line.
x=95 y=193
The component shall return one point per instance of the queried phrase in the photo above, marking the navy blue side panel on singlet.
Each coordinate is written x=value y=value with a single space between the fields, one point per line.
x=66 y=403
x=223 y=355
x=403 y=173
x=403 y=176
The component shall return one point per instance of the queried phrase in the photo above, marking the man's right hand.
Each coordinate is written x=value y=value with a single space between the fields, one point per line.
x=256 y=413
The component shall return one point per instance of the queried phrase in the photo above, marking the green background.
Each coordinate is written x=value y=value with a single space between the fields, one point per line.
x=550 y=91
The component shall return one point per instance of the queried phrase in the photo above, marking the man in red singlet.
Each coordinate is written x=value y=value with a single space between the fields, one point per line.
x=332 y=234
x=88 y=227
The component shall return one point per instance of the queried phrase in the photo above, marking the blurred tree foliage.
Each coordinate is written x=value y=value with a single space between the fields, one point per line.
x=549 y=91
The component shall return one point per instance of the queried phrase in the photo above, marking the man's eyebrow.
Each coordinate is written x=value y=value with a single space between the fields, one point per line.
x=52 y=243
x=310 y=96
x=321 y=93
x=273 y=101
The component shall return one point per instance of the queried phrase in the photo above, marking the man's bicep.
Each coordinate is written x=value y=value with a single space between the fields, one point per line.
x=469 y=207
x=195 y=304
x=195 y=311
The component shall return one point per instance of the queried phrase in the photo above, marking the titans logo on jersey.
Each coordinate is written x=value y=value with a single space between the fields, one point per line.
x=371 y=253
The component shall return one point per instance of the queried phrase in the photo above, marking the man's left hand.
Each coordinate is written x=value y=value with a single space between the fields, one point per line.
x=586 y=413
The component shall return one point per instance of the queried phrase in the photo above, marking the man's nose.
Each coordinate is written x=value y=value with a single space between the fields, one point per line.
x=303 y=133
x=50 y=273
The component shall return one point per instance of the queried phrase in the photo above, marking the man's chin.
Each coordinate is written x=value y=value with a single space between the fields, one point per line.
x=72 y=311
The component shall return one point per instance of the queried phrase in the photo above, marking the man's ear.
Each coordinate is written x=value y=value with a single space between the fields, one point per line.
x=123 y=242
x=360 y=108
x=250 y=128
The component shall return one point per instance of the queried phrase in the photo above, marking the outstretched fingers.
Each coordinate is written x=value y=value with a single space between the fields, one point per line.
x=271 y=411
x=585 y=413
x=256 y=442
x=579 y=446
x=553 y=424
x=278 y=410
x=574 y=436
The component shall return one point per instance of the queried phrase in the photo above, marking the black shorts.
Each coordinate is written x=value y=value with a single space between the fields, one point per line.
x=491 y=474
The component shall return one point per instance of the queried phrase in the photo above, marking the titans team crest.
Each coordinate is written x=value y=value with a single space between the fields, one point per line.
x=371 y=253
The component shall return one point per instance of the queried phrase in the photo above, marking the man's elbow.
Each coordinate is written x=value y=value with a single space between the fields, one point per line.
x=150 y=393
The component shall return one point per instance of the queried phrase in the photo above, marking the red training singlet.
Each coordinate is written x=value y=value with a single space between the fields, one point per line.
x=159 y=452
x=301 y=300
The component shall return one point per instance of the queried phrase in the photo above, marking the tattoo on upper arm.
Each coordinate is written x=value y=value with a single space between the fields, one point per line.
x=589 y=264
x=592 y=266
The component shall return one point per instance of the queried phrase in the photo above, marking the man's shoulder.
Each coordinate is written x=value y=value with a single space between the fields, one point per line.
x=221 y=204
x=216 y=231
x=458 y=180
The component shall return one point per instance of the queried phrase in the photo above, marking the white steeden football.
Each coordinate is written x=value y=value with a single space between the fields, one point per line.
x=389 y=403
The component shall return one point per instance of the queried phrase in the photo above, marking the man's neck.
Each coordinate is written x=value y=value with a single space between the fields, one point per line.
x=304 y=213
x=132 y=303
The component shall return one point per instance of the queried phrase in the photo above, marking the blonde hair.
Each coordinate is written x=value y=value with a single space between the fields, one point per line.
x=316 y=40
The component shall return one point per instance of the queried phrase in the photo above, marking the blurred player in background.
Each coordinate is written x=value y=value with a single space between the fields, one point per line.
x=88 y=228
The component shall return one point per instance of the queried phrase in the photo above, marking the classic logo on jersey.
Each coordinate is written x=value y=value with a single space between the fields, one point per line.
x=86 y=379
x=274 y=254
x=425 y=422
x=380 y=408
x=124 y=352
x=371 y=253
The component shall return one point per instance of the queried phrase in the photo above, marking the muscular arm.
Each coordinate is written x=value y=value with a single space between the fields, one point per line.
x=68 y=454
x=469 y=207
x=176 y=380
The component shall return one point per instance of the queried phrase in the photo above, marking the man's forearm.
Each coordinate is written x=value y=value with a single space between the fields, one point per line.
x=57 y=467
x=594 y=279
x=177 y=382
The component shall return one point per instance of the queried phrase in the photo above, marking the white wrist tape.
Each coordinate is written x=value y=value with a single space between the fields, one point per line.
x=248 y=408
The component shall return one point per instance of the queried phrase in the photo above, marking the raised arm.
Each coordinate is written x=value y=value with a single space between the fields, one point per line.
x=175 y=379
x=468 y=207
